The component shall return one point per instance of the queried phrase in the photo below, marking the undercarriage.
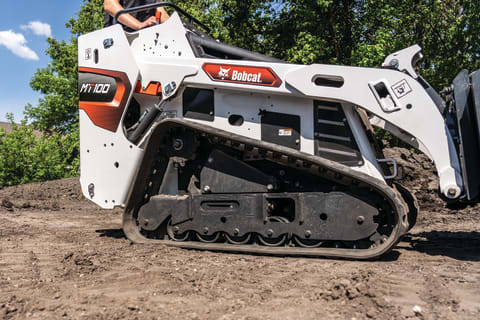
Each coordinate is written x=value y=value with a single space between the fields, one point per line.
x=238 y=194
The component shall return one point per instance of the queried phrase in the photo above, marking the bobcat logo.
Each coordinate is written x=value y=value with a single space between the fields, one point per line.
x=224 y=73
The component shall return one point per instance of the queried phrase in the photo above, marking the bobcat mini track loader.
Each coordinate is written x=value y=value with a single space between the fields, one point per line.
x=208 y=146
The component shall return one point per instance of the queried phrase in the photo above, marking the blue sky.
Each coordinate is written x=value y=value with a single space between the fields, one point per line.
x=23 y=30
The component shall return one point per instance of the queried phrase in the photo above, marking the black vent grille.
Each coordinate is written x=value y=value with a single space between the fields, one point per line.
x=334 y=139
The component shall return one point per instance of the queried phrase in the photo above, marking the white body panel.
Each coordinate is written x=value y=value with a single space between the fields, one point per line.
x=163 y=54
x=101 y=149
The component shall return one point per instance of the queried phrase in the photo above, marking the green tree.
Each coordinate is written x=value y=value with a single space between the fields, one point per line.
x=57 y=110
x=447 y=30
x=53 y=151
x=242 y=23
x=28 y=156
x=364 y=32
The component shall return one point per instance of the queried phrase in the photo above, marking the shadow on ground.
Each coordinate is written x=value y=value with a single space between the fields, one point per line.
x=457 y=245
x=112 y=233
x=119 y=234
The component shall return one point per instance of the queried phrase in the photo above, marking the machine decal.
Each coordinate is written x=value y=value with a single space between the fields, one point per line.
x=285 y=132
x=100 y=88
x=401 y=89
x=103 y=95
x=96 y=87
x=260 y=76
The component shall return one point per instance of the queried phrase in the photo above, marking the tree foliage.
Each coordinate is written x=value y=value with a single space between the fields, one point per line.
x=351 y=32
x=26 y=156
x=57 y=110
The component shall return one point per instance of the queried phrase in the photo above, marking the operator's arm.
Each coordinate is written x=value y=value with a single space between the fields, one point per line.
x=113 y=6
x=165 y=15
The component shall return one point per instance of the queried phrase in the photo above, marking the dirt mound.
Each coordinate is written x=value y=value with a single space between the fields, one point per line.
x=420 y=177
x=50 y=195
x=66 y=189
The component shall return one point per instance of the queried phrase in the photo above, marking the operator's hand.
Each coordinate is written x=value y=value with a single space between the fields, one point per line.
x=164 y=14
x=148 y=23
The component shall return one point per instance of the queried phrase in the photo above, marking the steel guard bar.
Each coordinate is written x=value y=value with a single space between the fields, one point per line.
x=158 y=5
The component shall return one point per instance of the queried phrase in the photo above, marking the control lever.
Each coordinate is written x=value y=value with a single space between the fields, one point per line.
x=158 y=16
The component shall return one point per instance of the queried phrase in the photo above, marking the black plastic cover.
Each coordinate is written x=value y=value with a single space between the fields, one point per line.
x=223 y=173
x=199 y=104
x=281 y=128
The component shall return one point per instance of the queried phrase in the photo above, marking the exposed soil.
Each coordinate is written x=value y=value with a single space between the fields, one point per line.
x=61 y=257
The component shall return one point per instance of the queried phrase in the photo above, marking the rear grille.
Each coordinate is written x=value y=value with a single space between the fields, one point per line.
x=334 y=139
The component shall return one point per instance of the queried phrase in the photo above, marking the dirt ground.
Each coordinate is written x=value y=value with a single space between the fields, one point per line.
x=61 y=257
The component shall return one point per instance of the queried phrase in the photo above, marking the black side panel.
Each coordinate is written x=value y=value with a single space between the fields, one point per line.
x=223 y=173
x=213 y=213
x=281 y=128
x=463 y=124
x=199 y=104
x=159 y=208
x=334 y=139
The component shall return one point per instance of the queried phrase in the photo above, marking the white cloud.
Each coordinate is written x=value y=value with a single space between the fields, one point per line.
x=38 y=28
x=16 y=43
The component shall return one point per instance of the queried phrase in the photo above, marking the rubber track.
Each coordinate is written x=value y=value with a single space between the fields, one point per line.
x=330 y=170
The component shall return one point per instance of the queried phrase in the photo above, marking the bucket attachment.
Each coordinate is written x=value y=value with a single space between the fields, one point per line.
x=463 y=120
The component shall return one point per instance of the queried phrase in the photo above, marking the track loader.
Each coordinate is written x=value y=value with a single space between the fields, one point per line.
x=211 y=147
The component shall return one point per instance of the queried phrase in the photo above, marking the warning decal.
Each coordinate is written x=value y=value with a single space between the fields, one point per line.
x=285 y=132
x=401 y=89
